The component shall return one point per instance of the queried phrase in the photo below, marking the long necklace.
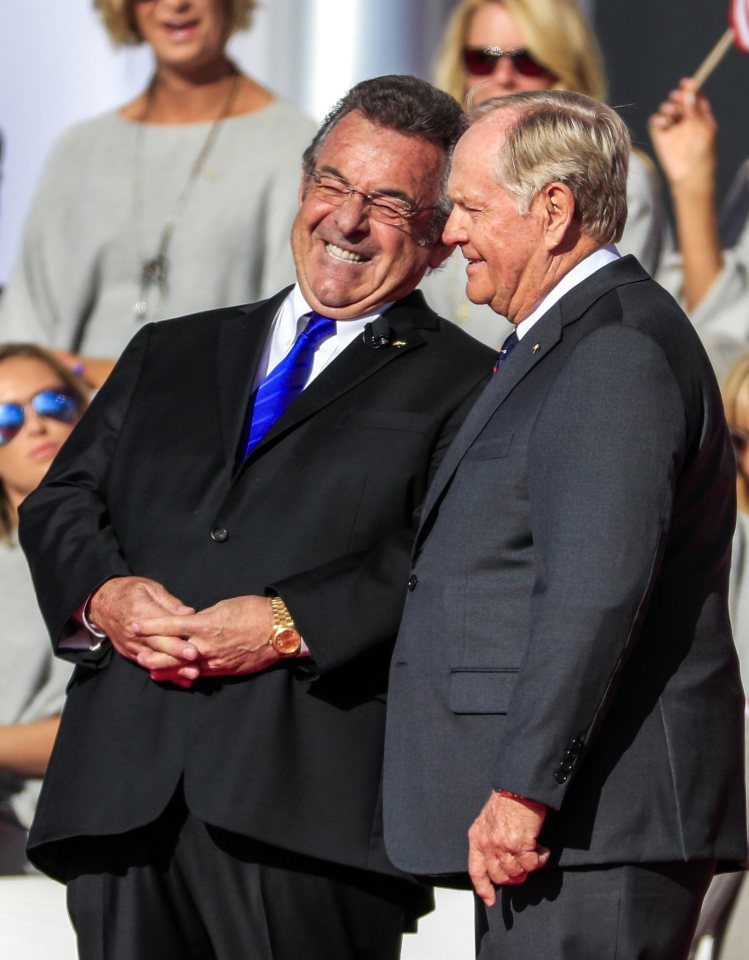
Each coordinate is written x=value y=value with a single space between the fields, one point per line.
x=155 y=270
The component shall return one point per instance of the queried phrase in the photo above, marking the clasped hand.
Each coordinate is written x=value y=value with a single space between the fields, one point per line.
x=176 y=643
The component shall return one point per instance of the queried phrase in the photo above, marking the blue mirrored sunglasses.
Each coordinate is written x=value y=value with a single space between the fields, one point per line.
x=54 y=404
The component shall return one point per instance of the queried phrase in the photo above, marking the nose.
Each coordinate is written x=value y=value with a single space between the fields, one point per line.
x=454 y=231
x=33 y=423
x=504 y=72
x=352 y=216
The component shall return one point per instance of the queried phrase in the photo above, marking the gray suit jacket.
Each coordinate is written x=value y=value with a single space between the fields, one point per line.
x=566 y=632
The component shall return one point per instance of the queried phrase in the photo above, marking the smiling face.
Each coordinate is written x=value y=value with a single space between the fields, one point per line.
x=183 y=33
x=492 y=26
x=347 y=262
x=26 y=458
x=505 y=250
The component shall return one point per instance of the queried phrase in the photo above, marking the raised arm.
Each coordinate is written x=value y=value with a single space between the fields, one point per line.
x=684 y=135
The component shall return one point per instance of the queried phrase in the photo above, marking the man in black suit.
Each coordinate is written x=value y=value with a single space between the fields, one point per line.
x=565 y=644
x=229 y=582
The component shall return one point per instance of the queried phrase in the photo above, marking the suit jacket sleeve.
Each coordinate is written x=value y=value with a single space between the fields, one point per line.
x=608 y=444
x=66 y=521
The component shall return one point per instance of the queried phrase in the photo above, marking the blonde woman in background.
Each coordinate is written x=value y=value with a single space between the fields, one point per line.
x=179 y=201
x=40 y=402
x=492 y=48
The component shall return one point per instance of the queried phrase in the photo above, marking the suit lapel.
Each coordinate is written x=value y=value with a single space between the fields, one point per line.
x=241 y=341
x=542 y=338
x=535 y=345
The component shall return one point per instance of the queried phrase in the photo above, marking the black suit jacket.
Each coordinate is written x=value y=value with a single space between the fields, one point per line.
x=568 y=635
x=322 y=511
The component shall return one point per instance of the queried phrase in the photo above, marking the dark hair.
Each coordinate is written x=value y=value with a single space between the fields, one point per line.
x=70 y=381
x=407 y=105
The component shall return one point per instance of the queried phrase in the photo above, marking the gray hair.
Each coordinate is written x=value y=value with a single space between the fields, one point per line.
x=563 y=137
x=409 y=106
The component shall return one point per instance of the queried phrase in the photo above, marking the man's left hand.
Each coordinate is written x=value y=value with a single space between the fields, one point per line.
x=503 y=844
x=231 y=638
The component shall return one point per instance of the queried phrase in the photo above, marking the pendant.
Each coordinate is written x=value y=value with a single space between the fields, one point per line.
x=153 y=271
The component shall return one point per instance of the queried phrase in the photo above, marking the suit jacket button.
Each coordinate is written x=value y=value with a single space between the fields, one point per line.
x=219 y=534
x=560 y=777
x=412 y=581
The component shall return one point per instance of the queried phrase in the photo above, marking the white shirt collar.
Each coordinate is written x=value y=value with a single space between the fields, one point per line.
x=581 y=271
x=288 y=324
x=298 y=308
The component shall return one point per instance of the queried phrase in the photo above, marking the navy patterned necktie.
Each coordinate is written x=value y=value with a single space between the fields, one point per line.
x=507 y=347
x=286 y=380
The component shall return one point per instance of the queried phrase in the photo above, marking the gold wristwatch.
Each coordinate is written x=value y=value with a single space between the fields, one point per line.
x=285 y=638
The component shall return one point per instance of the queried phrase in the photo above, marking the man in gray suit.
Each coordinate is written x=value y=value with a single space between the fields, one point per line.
x=565 y=649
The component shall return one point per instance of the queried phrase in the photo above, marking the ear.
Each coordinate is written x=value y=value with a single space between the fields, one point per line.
x=439 y=253
x=556 y=207
x=303 y=183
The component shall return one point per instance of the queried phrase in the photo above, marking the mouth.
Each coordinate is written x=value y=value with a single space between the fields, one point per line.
x=176 y=29
x=473 y=262
x=45 y=451
x=347 y=256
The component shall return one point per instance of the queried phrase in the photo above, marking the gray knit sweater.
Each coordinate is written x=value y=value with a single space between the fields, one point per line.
x=78 y=274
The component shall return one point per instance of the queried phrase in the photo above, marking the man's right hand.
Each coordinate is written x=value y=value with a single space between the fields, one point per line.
x=121 y=602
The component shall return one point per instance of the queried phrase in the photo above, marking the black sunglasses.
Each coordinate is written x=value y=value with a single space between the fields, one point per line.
x=480 y=61
x=54 y=404
x=740 y=441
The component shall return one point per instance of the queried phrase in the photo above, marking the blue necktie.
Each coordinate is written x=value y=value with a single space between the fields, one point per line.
x=507 y=347
x=286 y=380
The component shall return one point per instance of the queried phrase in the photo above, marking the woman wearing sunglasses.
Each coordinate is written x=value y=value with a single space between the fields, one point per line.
x=493 y=48
x=40 y=402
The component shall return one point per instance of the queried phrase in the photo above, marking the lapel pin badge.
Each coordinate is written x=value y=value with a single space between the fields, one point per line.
x=398 y=343
x=536 y=348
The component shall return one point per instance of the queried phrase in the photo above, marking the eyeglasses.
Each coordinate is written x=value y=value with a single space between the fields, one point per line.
x=381 y=206
x=740 y=440
x=54 y=404
x=480 y=61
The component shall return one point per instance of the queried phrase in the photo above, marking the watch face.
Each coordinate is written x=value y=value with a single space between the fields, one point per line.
x=287 y=642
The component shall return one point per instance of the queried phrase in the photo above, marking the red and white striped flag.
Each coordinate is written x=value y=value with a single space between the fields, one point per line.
x=738 y=17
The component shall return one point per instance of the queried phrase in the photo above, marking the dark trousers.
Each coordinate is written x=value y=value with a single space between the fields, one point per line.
x=178 y=889
x=627 y=912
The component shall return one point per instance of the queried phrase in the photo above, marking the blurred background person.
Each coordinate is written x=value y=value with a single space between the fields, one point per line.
x=723 y=929
x=40 y=402
x=492 y=48
x=181 y=200
x=736 y=401
x=709 y=273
